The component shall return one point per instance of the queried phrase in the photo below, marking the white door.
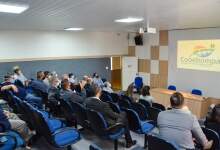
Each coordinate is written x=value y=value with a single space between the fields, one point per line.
x=129 y=70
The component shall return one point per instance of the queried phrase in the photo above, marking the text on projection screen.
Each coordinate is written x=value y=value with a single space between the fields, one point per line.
x=199 y=55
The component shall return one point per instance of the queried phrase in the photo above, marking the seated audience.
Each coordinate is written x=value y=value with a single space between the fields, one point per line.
x=97 y=80
x=111 y=117
x=213 y=122
x=145 y=94
x=67 y=94
x=46 y=78
x=20 y=92
x=18 y=75
x=11 y=121
x=180 y=126
x=39 y=84
x=107 y=87
x=87 y=86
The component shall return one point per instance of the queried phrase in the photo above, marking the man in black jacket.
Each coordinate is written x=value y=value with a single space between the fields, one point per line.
x=111 y=117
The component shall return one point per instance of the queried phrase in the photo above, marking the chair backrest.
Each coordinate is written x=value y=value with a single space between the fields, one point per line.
x=80 y=112
x=8 y=96
x=67 y=111
x=114 y=107
x=125 y=97
x=97 y=122
x=196 y=92
x=212 y=135
x=19 y=83
x=106 y=97
x=138 y=82
x=153 y=113
x=172 y=87
x=158 y=106
x=145 y=103
x=133 y=120
x=115 y=97
x=156 y=143
x=123 y=103
x=140 y=110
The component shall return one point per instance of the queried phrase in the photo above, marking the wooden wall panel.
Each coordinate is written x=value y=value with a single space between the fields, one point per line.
x=163 y=68
x=116 y=63
x=154 y=80
x=116 y=79
x=155 y=51
x=144 y=65
x=163 y=38
x=131 y=51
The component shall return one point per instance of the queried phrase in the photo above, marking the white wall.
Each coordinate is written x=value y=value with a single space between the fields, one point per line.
x=185 y=79
x=15 y=45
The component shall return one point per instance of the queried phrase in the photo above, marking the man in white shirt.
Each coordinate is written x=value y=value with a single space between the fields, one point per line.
x=18 y=75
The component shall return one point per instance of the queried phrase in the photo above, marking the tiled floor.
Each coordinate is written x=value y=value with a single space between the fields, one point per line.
x=88 y=138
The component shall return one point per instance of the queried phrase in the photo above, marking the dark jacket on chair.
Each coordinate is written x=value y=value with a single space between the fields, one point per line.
x=104 y=108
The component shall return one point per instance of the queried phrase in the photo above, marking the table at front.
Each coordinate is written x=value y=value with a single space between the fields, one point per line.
x=198 y=105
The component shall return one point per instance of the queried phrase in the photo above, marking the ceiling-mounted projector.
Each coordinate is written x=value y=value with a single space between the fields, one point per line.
x=143 y=30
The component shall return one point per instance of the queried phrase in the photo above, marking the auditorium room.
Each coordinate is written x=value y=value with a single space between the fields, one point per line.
x=109 y=75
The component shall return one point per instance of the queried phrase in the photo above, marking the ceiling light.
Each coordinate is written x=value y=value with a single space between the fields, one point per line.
x=74 y=29
x=12 y=8
x=129 y=20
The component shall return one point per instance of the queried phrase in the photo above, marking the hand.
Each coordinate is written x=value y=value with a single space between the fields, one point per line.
x=14 y=88
x=208 y=145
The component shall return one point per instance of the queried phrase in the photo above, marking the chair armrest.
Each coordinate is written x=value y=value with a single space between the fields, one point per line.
x=114 y=128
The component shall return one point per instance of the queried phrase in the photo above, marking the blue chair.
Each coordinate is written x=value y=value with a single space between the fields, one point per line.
x=68 y=112
x=172 y=87
x=159 y=106
x=53 y=123
x=106 y=97
x=140 y=110
x=138 y=82
x=62 y=137
x=11 y=140
x=196 y=92
x=115 y=97
x=153 y=114
x=115 y=107
x=81 y=116
x=101 y=128
x=212 y=135
x=157 y=143
x=138 y=126
x=145 y=103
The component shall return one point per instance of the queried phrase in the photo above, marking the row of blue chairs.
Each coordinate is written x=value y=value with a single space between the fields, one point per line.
x=53 y=130
x=194 y=91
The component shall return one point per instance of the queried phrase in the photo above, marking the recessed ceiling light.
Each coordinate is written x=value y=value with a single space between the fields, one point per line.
x=129 y=20
x=12 y=8
x=74 y=29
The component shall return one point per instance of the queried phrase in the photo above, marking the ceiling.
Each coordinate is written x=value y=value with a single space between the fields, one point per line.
x=99 y=15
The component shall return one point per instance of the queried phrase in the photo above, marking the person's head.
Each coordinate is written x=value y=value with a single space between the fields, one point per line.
x=65 y=76
x=177 y=100
x=47 y=74
x=17 y=70
x=8 y=78
x=216 y=114
x=40 y=75
x=130 y=89
x=95 y=91
x=66 y=84
x=145 y=90
x=54 y=81
x=107 y=84
x=71 y=75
